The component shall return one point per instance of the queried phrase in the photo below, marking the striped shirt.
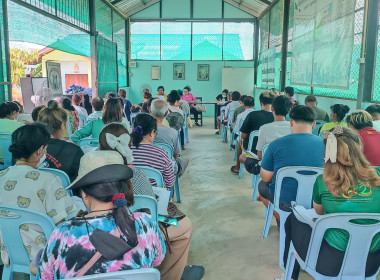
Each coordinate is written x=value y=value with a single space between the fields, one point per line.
x=149 y=155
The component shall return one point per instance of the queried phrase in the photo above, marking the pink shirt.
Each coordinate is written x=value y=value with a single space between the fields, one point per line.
x=189 y=97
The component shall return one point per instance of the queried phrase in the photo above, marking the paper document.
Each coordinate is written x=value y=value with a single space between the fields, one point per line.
x=162 y=200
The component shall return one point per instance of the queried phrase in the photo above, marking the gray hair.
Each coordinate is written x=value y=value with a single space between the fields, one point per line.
x=159 y=108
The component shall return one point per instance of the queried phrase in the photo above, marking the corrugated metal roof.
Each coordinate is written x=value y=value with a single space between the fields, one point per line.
x=254 y=7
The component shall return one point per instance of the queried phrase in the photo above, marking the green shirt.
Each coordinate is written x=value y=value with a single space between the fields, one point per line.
x=238 y=110
x=7 y=126
x=321 y=114
x=365 y=200
x=92 y=129
x=331 y=125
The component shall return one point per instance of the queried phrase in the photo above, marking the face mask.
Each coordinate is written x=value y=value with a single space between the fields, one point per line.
x=41 y=162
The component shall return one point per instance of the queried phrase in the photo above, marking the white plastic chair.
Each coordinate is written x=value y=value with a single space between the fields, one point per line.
x=255 y=179
x=153 y=174
x=93 y=142
x=185 y=127
x=82 y=120
x=10 y=229
x=354 y=262
x=145 y=201
x=134 y=274
x=62 y=175
x=221 y=117
x=305 y=177
x=252 y=135
x=5 y=142
x=69 y=129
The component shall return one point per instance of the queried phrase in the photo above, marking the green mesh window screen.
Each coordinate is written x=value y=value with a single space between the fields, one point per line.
x=175 y=41
x=75 y=12
x=145 y=40
x=103 y=14
x=275 y=36
x=107 y=66
x=120 y=40
x=238 y=41
x=376 y=85
x=3 y=68
x=263 y=43
x=207 y=41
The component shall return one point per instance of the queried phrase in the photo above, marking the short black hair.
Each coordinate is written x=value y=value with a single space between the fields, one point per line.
x=36 y=111
x=110 y=95
x=28 y=139
x=97 y=103
x=241 y=99
x=7 y=108
x=281 y=105
x=225 y=91
x=173 y=96
x=235 y=96
x=303 y=113
x=267 y=97
x=340 y=111
x=188 y=88
x=373 y=109
x=289 y=90
x=160 y=87
x=249 y=101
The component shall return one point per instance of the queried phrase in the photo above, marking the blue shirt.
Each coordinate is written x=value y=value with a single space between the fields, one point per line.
x=299 y=149
x=127 y=108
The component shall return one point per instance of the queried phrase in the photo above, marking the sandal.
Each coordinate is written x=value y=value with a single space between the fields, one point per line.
x=233 y=170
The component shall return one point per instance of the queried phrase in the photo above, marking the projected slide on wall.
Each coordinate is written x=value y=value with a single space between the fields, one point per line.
x=322 y=44
x=268 y=64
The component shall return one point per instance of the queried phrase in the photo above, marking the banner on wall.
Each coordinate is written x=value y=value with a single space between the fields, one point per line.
x=322 y=44
x=268 y=66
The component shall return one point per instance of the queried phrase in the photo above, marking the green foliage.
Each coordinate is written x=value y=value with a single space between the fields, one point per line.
x=20 y=58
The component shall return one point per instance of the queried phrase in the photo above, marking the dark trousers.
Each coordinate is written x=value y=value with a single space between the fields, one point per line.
x=329 y=259
x=265 y=193
x=195 y=113
x=182 y=136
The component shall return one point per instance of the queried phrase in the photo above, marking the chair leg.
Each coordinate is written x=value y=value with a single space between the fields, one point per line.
x=177 y=194
x=255 y=184
x=268 y=220
x=283 y=216
x=241 y=170
x=290 y=264
x=7 y=273
x=225 y=134
x=186 y=131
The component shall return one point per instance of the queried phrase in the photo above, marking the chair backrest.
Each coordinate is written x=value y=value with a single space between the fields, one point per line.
x=133 y=274
x=61 y=174
x=69 y=130
x=5 y=142
x=229 y=117
x=359 y=243
x=317 y=127
x=83 y=119
x=252 y=135
x=145 y=201
x=264 y=149
x=305 y=177
x=166 y=147
x=10 y=221
x=93 y=142
x=153 y=174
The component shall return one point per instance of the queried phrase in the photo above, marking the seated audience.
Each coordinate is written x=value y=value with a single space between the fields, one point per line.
x=60 y=154
x=135 y=239
x=127 y=104
x=76 y=101
x=36 y=111
x=311 y=101
x=110 y=95
x=222 y=97
x=252 y=122
x=8 y=120
x=374 y=110
x=113 y=112
x=248 y=103
x=184 y=104
x=143 y=106
x=161 y=93
x=23 y=117
x=97 y=107
x=173 y=100
x=337 y=114
x=26 y=187
x=271 y=131
x=190 y=98
x=348 y=185
x=167 y=135
x=232 y=106
x=239 y=109
x=300 y=148
x=117 y=136
x=361 y=122
x=147 y=154
x=289 y=93
x=72 y=113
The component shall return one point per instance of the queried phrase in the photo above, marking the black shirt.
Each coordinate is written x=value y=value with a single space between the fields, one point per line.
x=64 y=156
x=221 y=98
x=253 y=122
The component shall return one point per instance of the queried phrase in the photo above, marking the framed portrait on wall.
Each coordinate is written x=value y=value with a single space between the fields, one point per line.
x=155 y=73
x=203 y=72
x=54 y=78
x=178 y=71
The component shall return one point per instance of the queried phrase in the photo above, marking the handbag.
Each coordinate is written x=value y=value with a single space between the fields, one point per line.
x=200 y=107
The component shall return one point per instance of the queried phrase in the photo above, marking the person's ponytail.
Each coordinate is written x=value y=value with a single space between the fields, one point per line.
x=144 y=124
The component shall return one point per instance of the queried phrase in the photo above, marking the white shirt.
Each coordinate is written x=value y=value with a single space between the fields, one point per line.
x=231 y=106
x=81 y=110
x=241 y=117
x=271 y=131
x=27 y=188
x=376 y=125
